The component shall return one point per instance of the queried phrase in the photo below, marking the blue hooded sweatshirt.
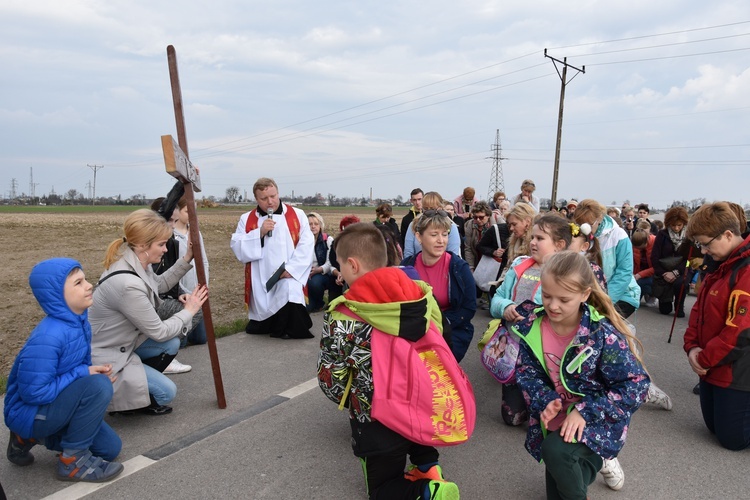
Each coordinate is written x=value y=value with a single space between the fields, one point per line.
x=56 y=353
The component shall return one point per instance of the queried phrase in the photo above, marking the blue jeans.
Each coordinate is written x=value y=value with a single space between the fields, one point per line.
x=159 y=386
x=74 y=421
x=196 y=336
x=726 y=413
x=645 y=284
x=316 y=286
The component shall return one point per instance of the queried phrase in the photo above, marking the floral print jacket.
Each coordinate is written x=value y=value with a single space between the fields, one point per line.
x=599 y=366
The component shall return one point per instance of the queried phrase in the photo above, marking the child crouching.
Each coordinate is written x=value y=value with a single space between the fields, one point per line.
x=54 y=394
x=581 y=377
x=384 y=303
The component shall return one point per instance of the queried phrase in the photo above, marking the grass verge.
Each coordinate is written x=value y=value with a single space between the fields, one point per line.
x=235 y=326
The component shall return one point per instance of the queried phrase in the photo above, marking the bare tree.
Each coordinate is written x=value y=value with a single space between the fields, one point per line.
x=233 y=193
x=72 y=194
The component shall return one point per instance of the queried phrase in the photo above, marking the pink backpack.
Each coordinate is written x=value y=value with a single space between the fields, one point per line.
x=420 y=391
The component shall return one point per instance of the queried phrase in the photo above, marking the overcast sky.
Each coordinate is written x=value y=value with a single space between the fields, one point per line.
x=345 y=97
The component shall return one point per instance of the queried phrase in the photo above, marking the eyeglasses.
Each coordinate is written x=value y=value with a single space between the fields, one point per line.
x=479 y=217
x=433 y=213
x=704 y=246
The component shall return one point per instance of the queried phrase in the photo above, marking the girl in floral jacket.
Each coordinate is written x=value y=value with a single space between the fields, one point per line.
x=581 y=377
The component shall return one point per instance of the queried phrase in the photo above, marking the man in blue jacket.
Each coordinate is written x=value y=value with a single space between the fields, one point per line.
x=54 y=394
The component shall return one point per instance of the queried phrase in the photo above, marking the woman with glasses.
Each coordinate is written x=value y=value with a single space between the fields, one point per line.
x=668 y=257
x=433 y=203
x=452 y=282
x=474 y=229
x=716 y=340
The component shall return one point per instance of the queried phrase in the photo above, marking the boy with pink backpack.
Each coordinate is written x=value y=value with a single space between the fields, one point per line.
x=383 y=357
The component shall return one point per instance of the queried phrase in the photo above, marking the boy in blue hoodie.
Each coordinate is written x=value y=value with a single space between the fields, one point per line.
x=54 y=394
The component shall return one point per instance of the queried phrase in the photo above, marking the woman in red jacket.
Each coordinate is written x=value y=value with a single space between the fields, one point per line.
x=717 y=340
x=643 y=243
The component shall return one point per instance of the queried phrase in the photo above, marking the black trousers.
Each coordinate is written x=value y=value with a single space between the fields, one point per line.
x=513 y=410
x=290 y=322
x=382 y=454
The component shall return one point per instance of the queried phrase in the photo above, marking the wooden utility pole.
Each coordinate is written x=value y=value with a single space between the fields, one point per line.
x=177 y=161
x=564 y=81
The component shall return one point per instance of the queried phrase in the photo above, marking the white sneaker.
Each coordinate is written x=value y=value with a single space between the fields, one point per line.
x=652 y=302
x=177 y=367
x=658 y=397
x=613 y=475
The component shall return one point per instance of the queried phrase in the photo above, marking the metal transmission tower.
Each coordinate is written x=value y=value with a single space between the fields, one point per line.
x=565 y=81
x=94 y=168
x=496 y=177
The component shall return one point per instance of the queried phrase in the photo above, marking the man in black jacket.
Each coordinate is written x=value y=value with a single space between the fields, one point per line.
x=416 y=209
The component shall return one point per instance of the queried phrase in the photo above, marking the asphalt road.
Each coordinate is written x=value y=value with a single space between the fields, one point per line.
x=280 y=438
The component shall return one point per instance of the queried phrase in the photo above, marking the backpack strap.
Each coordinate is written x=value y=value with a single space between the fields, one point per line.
x=122 y=271
x=519 y=270
x=736 y=269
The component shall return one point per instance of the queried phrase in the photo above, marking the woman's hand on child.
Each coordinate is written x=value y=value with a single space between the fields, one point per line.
x=551 y=411
x=195 y=300
x=572 y=427
x=510 y=314
x=693 y=359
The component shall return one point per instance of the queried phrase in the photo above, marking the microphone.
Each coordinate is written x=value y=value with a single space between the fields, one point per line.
x=270 y=233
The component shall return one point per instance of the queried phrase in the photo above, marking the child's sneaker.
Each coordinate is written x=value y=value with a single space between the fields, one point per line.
x=613 y=475
x=19 y=450
x=658 y=397
x=87 y=468
x=441 y=490
x=434 y=473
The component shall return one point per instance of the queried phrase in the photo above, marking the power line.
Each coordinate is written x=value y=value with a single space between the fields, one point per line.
x=654 y=35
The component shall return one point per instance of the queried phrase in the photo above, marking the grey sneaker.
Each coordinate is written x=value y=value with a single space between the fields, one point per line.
x=613 y=475
x=652 y=302
x=658 y=397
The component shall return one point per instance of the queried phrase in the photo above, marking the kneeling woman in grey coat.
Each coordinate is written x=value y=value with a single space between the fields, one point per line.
x=127 y=331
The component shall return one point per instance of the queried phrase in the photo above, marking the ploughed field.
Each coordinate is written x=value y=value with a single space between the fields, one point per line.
x=27 y=238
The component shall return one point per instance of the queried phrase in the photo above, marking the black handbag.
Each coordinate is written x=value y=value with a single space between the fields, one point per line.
x=671 y=263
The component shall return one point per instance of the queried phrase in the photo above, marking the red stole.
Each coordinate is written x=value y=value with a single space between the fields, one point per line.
x=292 y=222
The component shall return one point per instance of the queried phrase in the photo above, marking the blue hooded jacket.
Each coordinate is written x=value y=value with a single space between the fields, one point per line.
x=56 y=353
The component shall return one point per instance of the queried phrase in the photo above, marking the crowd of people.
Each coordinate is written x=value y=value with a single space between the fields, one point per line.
x=562 y=285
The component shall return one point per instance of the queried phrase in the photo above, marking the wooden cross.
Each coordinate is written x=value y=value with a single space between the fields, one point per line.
x=177 y=161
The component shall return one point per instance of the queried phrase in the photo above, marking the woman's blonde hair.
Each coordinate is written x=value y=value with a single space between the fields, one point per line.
x=142 y=227
x=424 y=222
x=432 y=201
x=319 y=218
x=573 y=272
x=520 y=246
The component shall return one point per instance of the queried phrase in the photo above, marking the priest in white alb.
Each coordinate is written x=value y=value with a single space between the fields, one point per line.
x=276 y=245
